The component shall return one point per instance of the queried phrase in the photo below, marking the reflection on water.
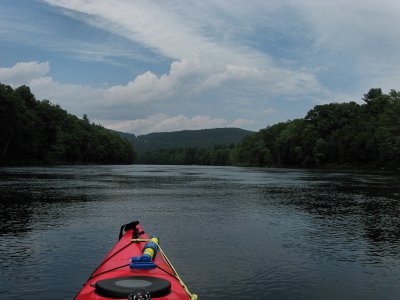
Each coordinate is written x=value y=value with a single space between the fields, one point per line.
x=233 y=233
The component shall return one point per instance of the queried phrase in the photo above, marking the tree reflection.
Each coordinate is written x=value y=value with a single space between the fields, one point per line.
x=359 y=206
x=25 y=200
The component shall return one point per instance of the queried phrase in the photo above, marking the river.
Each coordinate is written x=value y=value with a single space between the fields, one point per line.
x=232 y=233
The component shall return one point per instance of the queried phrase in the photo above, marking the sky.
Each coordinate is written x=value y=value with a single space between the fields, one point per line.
x=155 y=66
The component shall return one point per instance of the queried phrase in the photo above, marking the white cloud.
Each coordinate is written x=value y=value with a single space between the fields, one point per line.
x=202 y=58
x=140 y=96
x=210 y=64
x=224 y=70
x=23 y=72
x=161 y=27
x=75 y=98
x=352 y=24
x=356 y=37
x=162 y=123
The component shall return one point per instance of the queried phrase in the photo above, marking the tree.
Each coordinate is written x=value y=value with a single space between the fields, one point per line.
x=251 y=151
x=334 y=134
x=33 y=131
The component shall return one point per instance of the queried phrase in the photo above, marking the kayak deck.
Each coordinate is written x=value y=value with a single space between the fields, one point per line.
x=115 y=279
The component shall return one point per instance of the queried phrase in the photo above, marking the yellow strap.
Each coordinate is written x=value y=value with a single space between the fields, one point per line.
x=192 y=296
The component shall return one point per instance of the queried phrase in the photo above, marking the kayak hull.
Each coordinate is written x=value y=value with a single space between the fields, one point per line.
x=115 y=270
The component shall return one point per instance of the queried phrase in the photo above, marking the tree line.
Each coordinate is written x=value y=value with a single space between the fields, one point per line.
x=39 y=132
x=335 y=135
x=332 y=135
x=219 y=155
x=348 y=135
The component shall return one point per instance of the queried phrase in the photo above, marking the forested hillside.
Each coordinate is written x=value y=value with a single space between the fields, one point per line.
x=39 y=132
x=203 y=138
x=333 y=135
x=187 y=147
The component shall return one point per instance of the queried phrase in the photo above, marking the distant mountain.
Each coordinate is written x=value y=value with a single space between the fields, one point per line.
x=203 y=138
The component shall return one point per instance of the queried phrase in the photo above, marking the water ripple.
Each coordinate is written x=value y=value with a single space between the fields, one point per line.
x=232 y=233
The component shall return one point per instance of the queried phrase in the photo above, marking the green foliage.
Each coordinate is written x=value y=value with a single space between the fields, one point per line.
x=251 y=151
x=187 y=147
x=37 y=132
x=218 y=155
x=204 y=138
x=331 y=135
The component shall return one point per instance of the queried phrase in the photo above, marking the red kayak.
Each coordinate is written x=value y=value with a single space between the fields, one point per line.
x=136 y=269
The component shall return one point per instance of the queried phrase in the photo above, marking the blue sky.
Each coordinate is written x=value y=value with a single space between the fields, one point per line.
x=151 y=66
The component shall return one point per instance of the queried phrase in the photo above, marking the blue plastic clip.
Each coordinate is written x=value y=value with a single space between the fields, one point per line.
x=142 y=263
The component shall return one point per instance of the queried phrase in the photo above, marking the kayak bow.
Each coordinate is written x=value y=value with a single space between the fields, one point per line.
x=136 y=268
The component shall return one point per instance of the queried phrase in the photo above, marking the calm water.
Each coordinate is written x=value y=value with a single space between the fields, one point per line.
x=232 y=233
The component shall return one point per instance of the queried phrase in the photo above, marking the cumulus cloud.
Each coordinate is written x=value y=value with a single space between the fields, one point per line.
x=136 y=96
x=228 y=62
x=161 y=123
x=23 y=72
x=209 y=42
x=202 y=59
x=77 y=99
